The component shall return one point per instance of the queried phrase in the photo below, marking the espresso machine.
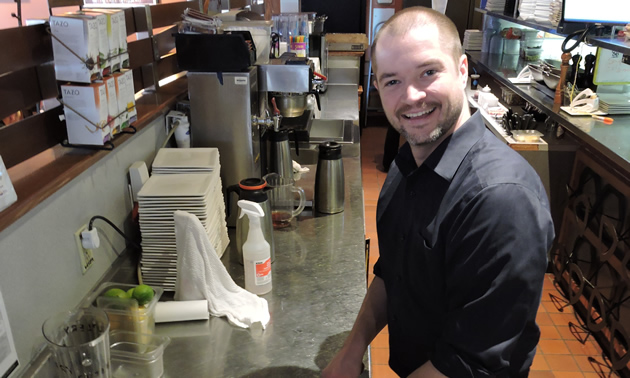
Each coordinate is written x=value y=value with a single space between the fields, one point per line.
x=290 y=83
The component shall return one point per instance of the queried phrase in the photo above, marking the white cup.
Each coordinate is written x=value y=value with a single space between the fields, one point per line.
x=182 y=134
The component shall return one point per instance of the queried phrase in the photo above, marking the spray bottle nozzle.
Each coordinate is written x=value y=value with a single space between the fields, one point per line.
x=250 y=208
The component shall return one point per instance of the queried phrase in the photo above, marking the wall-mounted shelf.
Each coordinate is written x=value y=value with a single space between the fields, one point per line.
x=611 y=43
x=609 y=140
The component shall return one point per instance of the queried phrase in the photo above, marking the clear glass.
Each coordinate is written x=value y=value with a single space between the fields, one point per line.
x=79 y=341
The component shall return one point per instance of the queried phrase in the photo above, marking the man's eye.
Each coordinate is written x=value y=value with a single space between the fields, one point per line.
x=391 y=82
x=430 y=72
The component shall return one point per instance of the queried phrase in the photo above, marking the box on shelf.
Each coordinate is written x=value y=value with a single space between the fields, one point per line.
x=85 y=109
x=118 y=34
x=126 y=97
x=111 y=38
x=80 y=36
x=112 y=104
x=137 y=355
x=125 y=314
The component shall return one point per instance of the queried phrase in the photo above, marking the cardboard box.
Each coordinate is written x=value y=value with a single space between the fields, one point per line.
x=112 y=105
x=79 y=34
x=126 y=97
x=119 y=32
x=90 y=101
x=110 y=35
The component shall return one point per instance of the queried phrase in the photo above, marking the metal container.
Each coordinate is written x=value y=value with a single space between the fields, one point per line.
x=329 y=179
x=291 y=104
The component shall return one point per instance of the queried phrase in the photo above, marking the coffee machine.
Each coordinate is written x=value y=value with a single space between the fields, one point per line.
x=289 y=82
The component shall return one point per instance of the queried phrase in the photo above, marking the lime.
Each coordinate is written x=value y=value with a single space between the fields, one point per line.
x=130 y=293
x=143 y=294
x=116 y=293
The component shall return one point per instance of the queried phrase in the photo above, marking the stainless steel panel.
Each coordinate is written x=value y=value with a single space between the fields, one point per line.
x=284 y=78
x=221 y=109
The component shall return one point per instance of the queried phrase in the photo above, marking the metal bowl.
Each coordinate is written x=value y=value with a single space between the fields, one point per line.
x=537 y=72
x=551 y=79
x=290 y=104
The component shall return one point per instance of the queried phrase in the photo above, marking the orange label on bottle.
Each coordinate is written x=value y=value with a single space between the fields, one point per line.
x=263 y=271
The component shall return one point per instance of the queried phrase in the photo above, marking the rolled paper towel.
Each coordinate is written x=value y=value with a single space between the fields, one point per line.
x=179 y=311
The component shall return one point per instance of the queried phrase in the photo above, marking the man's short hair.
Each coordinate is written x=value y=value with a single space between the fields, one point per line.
x=417 y=17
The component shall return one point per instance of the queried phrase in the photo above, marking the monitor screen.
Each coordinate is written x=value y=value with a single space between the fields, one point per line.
x=600 y=11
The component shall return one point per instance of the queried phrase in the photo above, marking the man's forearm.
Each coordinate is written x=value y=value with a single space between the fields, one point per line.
x=371 y=320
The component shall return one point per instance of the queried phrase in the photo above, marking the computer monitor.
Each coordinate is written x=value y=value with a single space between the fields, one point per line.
x=615 y=12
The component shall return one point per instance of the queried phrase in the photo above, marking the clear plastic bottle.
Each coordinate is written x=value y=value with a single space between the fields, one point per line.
x=256 y=251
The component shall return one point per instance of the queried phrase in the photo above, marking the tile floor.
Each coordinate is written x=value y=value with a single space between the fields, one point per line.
x=559 y=353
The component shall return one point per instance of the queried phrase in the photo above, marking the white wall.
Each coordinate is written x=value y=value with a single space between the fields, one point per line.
x=40 y=272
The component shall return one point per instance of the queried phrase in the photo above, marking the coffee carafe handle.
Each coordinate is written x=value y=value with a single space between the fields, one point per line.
x=229 y=190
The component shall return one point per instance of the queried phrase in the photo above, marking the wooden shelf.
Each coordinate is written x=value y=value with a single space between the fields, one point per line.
x=41 y=176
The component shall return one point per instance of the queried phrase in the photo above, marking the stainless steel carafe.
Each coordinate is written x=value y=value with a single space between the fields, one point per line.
x=252 y=189
x=329 y=181
x=280 y=160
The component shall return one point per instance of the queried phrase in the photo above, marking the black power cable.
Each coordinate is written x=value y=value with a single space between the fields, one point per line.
x=581 y=33
x=115 y=228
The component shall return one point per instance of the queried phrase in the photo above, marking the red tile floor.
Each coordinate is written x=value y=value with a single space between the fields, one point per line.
x=559 y=353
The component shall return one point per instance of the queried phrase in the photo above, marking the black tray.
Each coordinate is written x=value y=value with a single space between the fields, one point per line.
x=234 y=52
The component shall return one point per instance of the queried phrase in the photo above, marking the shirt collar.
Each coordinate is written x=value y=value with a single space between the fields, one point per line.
x=448 y=156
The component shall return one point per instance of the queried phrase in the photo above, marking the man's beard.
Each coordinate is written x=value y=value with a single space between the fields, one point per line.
x=452 y=114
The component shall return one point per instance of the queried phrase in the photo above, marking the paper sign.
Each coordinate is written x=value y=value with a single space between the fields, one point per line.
x=8 y=354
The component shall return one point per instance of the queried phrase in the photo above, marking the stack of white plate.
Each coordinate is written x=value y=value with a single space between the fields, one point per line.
x=495 y=6
x=473 y=40
x=556 y=12
x=543 y=11
x=185 y=160
x=614 y=103
x=197 y=193
x=526 y=9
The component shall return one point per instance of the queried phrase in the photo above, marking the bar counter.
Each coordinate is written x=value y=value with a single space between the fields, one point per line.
x=319 y=281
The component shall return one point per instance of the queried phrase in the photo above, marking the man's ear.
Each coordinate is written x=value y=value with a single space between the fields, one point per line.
x=463 y=69
x=375 y=84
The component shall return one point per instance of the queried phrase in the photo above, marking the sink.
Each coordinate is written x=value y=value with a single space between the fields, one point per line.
x=323 y=130
x=338 y=130
x=308 y=156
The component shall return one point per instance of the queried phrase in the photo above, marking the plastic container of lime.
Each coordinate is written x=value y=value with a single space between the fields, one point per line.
x=136 y=354
x=125 y=314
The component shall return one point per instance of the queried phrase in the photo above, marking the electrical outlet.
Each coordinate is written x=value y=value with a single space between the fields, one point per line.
x=87 y=258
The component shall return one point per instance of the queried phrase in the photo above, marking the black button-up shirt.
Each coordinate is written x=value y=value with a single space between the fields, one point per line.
x=463 y=243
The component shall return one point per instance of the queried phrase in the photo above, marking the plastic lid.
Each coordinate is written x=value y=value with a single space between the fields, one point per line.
x=486 y=89
x=253 y=190
x=329 y=151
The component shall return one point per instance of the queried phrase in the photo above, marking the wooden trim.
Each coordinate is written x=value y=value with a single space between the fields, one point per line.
x=140 y=52
x=164 y=41
x=47 y=174
x=24 y=47
x=20 y=90
x=64 y=3
x=168 y=66
x=27 y=138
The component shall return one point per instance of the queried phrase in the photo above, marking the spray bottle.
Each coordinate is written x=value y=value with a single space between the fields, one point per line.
x=256 y=251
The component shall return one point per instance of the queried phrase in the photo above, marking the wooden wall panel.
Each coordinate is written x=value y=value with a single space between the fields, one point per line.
x=24 y=47
x=27 y=138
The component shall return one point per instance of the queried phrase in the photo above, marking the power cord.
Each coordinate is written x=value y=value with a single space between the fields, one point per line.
x=581 y=33
x=135 y=244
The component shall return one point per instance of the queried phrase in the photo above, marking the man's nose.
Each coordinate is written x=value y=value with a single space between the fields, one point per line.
x=415 y=93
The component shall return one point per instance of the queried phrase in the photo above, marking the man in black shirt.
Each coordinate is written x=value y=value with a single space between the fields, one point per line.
x=463 y=222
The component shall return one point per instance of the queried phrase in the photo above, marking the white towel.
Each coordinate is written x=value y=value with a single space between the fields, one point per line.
x=201 y=275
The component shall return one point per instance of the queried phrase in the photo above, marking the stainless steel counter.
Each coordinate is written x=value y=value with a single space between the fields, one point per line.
x=319 y=281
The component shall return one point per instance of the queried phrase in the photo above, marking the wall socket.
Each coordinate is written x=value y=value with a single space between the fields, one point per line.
x=87 y=258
